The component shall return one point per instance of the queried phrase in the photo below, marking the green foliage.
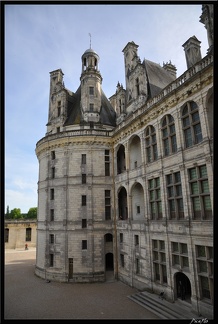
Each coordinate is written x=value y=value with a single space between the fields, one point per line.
x=16 y=213
x=32 y=213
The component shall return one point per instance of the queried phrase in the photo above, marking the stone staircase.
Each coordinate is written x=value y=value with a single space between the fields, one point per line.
x=163 y=308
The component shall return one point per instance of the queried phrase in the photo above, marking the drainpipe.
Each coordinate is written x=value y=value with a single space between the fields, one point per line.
x=115 y=220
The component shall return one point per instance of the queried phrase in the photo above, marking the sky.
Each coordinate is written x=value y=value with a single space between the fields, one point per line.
x=41 y=38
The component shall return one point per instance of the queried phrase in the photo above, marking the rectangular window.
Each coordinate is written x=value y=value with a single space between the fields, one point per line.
x=91 y=91
x=53 y=173
x=122 y=260
x=138 y=209
x=51 y=215
x=84 y=244
x=121 y=237
x=59 y=111
x=83 y=178
x=84 y=223
x=107 y=195
x=107 y=162
x=200 y=196
x=137 y=265
x=52 y=194
x=51 y=238
x=91 y=107
x=155 y=199
x=204 y=258
x=174 y=195
x=6 y=235
x=136 y=239
x=52 y=155
x=83 y=200
x=58 y=129
x=83 y=158
x=51 y=260
x=178 y=252
x=159 y=261
x=28 y=234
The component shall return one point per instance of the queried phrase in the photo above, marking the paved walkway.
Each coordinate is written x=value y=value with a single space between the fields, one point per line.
x=30 y=297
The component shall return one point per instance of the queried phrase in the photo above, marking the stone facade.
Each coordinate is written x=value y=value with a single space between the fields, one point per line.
x=126 y=184
x=20 y=232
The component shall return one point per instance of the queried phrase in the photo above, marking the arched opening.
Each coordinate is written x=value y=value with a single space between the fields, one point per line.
x=121 y=163
x=109 y=262
x=183 y=287
x=138 y=210
x=135 y=153
x=122 y=204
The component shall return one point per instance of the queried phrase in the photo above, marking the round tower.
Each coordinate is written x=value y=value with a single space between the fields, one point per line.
x=91 y=81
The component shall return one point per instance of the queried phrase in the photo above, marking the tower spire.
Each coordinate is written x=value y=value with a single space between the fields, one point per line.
x=90 y=39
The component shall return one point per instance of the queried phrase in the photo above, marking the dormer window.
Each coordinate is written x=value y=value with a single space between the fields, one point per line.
x=91 y=91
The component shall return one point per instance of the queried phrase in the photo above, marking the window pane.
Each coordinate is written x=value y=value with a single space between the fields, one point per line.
x=172 y=129
x=176 y=260
x=157 y=181
x=172 y=205
x=185 y=262
x=155 y=151
x=203 y=171
x=194 y=188
x=192 y=173
x=170 y=192
x=158 y=193
x=169 y=179
x=188 y=137
x=175 y=246
x=201 y=251
x=165 y=132
x=196 y=204
x=185 y=111
x=207 y=203
x=204 y=186
x=179 y=190
x=205 y=287
x=162 y=245
x=198 y=134
x=174 y=145
x=155 y=256
x=195 y=116
x=184 y=248
x=202 y=266
x=166 y=147
x=186 y=121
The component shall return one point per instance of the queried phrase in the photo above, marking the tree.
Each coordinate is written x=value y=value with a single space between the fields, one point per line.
x=16 y=213
x=32 y=213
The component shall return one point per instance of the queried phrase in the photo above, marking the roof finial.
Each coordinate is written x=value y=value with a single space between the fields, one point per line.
x=90 y=40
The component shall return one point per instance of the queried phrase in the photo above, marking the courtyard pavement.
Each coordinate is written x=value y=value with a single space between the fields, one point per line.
x=27 y=296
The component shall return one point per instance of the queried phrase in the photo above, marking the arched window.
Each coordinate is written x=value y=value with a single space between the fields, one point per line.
x=151 y=144
x=191 y=124
x=169 y=135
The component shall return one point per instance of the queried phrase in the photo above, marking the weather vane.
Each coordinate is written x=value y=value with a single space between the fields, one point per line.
x=90 y=39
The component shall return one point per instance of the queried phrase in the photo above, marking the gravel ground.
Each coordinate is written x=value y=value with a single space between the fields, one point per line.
x=27 y=296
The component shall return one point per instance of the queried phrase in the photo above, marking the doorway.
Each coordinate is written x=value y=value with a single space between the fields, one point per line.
x=183 y=287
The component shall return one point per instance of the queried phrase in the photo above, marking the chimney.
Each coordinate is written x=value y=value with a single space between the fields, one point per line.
x=192 y=50
x=170 y=68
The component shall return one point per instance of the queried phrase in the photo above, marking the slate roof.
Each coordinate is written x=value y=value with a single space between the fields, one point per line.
x=158 y=78
x=74 y=115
